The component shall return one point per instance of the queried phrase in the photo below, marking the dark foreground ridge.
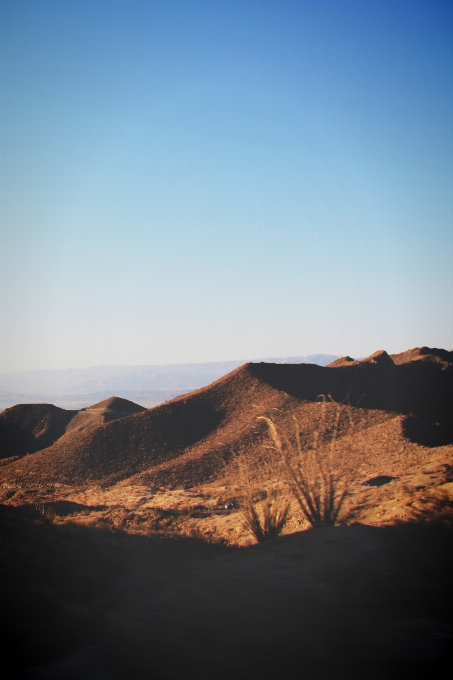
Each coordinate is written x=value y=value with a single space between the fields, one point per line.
x=350 y=602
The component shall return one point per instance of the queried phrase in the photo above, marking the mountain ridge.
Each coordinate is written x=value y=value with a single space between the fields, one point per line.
x=191 y=438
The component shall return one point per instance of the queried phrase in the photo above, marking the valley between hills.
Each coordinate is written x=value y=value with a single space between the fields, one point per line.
x=127 y=552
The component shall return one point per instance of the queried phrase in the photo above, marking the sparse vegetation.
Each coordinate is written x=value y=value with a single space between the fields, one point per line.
x=46 y=513
x=313 y=474
x=436 y=506
x=270 y=519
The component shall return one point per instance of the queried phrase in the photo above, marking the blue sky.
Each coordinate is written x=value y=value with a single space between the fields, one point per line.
x=210 y=180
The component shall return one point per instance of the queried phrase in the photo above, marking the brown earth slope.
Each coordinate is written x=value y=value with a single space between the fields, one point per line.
x=28 y=428
x=103 y=412
x=189 y=440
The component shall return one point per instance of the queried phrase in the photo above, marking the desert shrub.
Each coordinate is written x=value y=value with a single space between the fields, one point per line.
x=45 y=512
x=266 y=521
x=313 y=474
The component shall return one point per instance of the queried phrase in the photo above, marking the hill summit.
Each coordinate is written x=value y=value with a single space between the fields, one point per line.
x=116 y=405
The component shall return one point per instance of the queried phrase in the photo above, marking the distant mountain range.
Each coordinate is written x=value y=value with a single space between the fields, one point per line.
x=145 y=385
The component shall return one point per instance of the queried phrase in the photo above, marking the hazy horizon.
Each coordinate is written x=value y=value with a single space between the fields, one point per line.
x=225 y=361
x=146 y=385
x=191 y=181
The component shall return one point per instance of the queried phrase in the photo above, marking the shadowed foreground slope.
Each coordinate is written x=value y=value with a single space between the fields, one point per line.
x=351 y=602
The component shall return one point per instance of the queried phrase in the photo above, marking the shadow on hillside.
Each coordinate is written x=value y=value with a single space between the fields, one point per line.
x=421 y=391
x=347 y=602
x=58 y=508
x=427 y=434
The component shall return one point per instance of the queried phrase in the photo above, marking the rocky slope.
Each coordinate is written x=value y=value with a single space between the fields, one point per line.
x=190 y=439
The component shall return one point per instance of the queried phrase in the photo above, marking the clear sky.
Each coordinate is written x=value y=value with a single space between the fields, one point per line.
x=203 y=180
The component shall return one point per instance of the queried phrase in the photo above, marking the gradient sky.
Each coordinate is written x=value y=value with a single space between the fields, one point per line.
x=187 y=181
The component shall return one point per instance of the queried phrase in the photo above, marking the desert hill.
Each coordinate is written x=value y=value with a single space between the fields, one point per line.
x=431 y=354
x=191 y=439
x=27 y=428
x=122 y=407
